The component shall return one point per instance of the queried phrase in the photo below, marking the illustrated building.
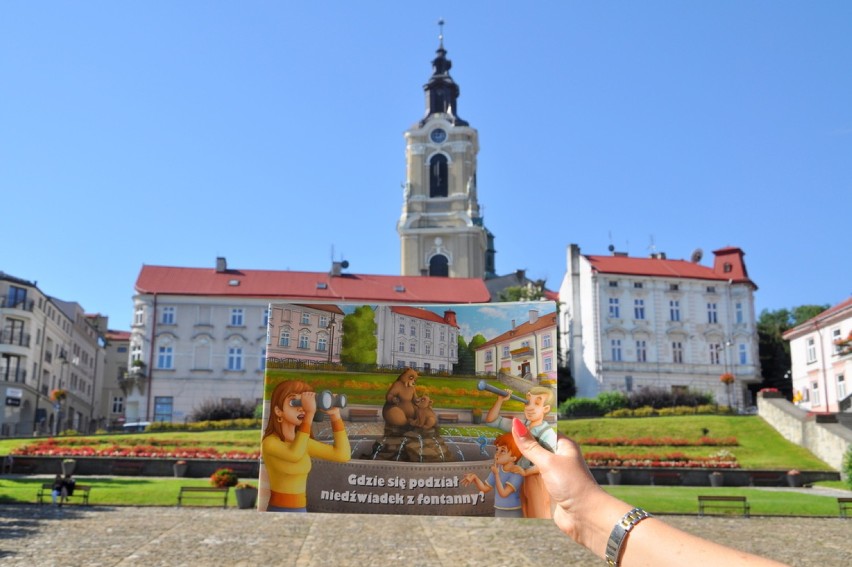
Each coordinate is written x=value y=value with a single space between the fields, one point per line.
x=417 y=338
x=441 y=227
x=630 y=322
x=821 y=356
x=46 y=344
x=200 y=334
x=305 y=332
x=527 y=350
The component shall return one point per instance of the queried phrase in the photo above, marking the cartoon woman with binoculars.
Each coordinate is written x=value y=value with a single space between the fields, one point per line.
x=287 y=445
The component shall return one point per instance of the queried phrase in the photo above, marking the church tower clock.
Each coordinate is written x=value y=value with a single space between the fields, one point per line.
x=441 y=229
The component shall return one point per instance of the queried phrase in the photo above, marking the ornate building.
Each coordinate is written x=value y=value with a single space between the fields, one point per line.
x=441 y=230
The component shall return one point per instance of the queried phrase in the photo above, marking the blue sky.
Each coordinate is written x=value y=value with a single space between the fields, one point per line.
x=271 y=133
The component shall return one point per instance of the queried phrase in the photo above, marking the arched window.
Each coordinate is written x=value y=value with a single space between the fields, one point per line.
x=438 y=181
x=439 y=266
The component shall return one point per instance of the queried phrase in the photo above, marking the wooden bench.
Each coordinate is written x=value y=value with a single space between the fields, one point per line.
x=724 y=502
x=81 y=492
x=844 y=503
x=666 y=478
x=768 y=479
x=448 y=418
x=202 y=492
x=128 y=467
x=367 y=414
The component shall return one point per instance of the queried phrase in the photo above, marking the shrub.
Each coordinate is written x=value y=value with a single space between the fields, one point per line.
x=644 y=411
x=224 y=478
x=659 y=398
x=847 y=466
x=216 y=411
x=611 y=401
x=580 y=407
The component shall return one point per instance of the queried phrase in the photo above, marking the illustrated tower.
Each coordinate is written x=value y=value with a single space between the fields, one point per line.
x=441 y=228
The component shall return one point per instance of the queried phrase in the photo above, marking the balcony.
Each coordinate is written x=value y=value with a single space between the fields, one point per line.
x=9 y=302
x=15 y=338
x=523 y=352
x=8 y=374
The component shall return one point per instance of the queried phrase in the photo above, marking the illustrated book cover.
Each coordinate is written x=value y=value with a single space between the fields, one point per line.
x=406 y=409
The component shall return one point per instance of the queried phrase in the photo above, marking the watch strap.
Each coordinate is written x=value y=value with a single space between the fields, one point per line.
x=619 y=534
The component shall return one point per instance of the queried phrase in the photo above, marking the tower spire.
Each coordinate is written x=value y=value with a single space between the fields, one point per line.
x=442 y=92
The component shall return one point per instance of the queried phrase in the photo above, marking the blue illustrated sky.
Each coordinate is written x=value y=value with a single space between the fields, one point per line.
x=271 y=133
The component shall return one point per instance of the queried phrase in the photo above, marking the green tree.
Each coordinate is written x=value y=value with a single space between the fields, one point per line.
x=531 y=292
x=467 y=360
x=359 y=337
x=773 y=350
x=477 y=341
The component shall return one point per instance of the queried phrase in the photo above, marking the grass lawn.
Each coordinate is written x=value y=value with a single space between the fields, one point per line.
x=684 y=500
x=140 y=491
x=760 y=446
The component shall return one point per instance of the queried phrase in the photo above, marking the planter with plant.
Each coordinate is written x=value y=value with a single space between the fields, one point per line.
x=794 y=478
x=68 y=466
x=613 y=477
x=476 y=415
x=717 y=479
x=180 y=468
x=246 y=495
x=224 y=478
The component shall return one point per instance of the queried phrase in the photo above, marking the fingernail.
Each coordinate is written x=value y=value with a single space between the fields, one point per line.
x=518 y=427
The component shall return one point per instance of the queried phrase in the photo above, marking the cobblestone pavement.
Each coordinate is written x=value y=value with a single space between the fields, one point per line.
x=153 y=536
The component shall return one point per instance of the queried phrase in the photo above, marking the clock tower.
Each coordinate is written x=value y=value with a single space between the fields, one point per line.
x=441 y=228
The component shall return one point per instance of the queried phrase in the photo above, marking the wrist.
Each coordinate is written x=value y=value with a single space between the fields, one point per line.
x=595 y=522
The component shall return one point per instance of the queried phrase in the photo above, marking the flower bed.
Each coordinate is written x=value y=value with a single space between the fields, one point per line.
x=660 y=442
x=176 y=450
x=669 y=460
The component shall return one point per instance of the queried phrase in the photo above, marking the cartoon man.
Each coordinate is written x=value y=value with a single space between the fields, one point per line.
x=504 y=479
x=535 y=499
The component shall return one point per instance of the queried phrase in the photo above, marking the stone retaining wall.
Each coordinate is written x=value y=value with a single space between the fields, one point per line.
x=819 y=434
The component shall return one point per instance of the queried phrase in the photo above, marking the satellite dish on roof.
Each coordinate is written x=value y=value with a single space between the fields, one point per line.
x=611 y=248
x=344 y=264
x=697 y=254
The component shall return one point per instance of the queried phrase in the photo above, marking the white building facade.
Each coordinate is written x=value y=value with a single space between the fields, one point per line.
x=821 y=357
x=46 y=345
x=201 y=334
x=630 y=322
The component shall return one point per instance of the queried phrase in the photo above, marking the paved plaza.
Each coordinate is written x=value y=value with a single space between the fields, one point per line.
x=153 y=536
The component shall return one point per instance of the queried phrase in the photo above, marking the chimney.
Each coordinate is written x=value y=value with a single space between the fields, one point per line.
x=221 y=265
x=533 y=316
x=450 y=318
x=335 y=269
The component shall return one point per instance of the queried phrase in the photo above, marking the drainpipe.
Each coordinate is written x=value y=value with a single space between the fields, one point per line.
x=151 y=359
x=40 y=370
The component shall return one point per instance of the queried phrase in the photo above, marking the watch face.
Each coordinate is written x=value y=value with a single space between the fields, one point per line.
x=438 y=135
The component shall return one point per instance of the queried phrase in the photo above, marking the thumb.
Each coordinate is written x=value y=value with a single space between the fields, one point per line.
x=528 y=444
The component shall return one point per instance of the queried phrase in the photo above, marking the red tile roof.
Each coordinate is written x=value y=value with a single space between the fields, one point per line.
x=728 y=265
x=814 y=322
x=117 y=335
x=543 y=322
x=314 y=286
x=424 y=314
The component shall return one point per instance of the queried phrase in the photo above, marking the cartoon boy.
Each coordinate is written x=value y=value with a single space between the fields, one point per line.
x=506 y=483
x=535 y=499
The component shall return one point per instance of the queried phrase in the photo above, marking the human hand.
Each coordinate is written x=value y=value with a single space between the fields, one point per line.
x=309 y=402
x=580 y=502
x=468 y=478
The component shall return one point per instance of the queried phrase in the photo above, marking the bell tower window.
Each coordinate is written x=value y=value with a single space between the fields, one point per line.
x=439 y=266
x=438 y=182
